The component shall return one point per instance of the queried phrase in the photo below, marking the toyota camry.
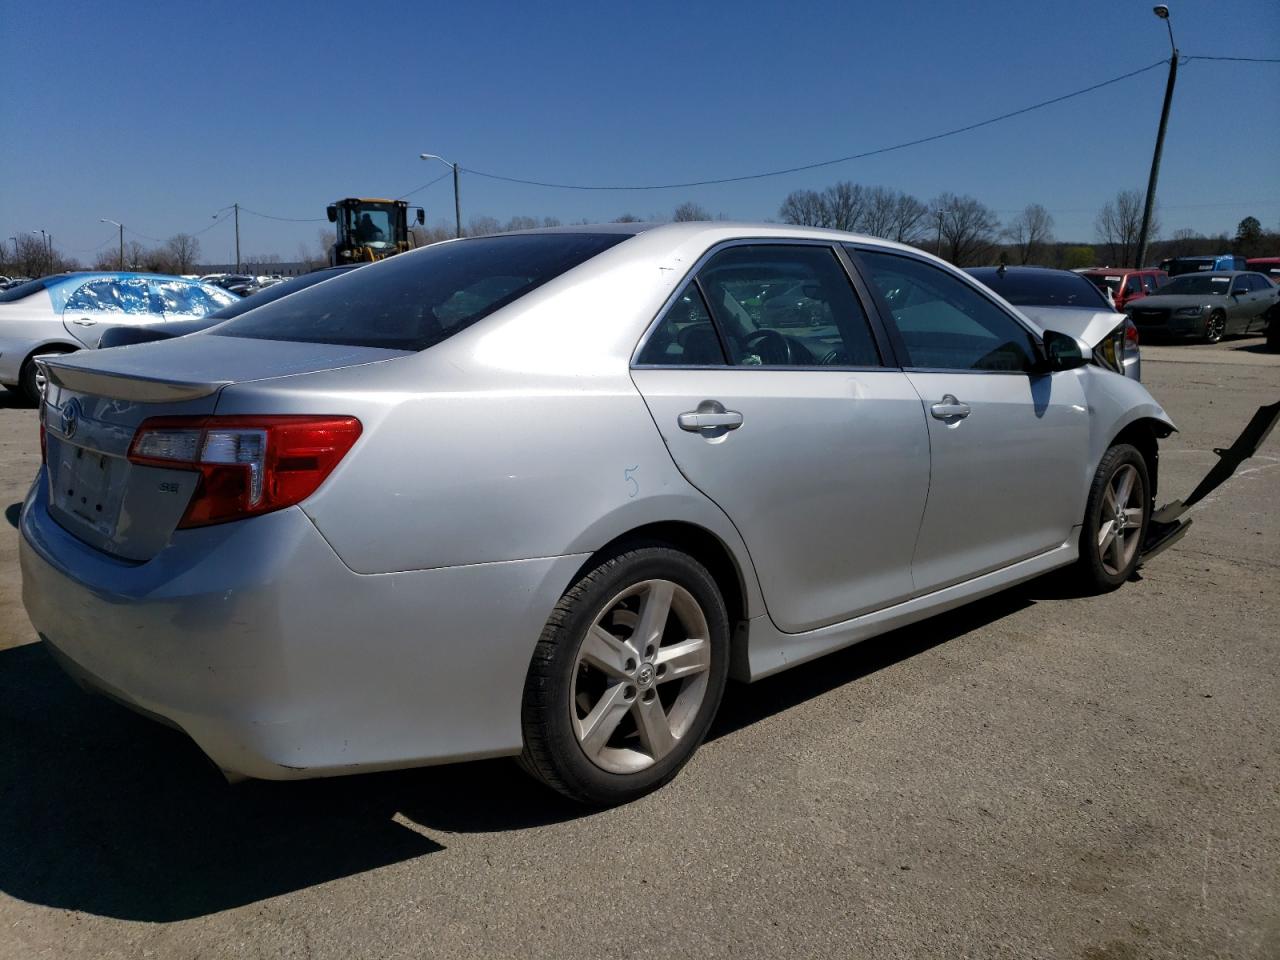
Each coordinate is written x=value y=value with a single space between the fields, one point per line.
x=542 y=494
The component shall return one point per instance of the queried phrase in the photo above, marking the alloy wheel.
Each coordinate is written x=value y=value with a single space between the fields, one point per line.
x=1215 y=327
x=1123 y=506
x=640 y=676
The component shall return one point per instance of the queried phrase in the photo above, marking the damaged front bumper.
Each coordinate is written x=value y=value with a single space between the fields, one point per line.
x=1168 y=525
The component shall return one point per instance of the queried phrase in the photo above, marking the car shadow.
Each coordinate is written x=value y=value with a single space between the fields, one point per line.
x=13 y=400
x=13 y=513
x=106 y=812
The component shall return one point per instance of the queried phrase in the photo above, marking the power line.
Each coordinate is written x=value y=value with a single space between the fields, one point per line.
x=429 y=183
x=269 y=216
x=827 y=163
x=1235 y=59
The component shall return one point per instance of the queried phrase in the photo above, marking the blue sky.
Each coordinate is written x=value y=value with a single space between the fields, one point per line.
x=159 y=114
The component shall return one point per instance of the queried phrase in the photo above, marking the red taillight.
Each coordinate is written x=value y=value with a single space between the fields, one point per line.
x=247 y=465
x=1130 y=334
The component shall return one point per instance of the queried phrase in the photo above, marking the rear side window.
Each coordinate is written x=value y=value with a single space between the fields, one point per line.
x=685 y=337
x=188 y=299
x=416 y=300
x=943 y=322
x=112 y=296
x=1149 y=283
x=787 y=305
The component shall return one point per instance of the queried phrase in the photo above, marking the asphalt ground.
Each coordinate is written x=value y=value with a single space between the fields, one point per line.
x=1034 y=775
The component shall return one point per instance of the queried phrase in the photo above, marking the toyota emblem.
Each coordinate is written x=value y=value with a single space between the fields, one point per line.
x=70 y=418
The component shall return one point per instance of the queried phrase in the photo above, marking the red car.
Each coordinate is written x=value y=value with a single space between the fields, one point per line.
x=1125 y=285
x=1268 y=265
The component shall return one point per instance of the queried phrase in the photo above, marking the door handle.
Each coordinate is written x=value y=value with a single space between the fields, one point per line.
x=696 y=420
x=949 y=409
x=84 y=322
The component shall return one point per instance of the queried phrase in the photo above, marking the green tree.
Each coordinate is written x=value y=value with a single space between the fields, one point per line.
x=1081 y=256
x=1248 y=241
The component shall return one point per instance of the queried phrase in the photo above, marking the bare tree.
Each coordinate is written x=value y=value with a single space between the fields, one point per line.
x=551 y=221
x=1118 y=224
x=483 y=226
x=910 y=220
x=184 y=250
x=625 y=218
x=689 y=211
x=1030 y=231
x=893 y=215
x=846 y=204
x=966 y=228
x=840 y=206
x=804 y=208
x=521 y=223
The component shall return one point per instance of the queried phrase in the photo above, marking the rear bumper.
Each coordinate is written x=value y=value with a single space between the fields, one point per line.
x=280 y=662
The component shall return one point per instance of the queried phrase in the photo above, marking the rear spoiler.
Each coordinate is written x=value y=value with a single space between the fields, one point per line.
x=118 y=387
x=1167 y=526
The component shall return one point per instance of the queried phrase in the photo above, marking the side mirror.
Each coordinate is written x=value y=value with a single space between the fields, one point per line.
x=1064 y=352
x=1238 y=293
x=422 y=216
x=333 y=214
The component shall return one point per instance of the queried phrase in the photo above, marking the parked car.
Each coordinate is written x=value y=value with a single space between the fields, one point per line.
x=1209 y=306
x=1068 y=302
x=1265 y=265
x=1177 y=266
x=69 y=311
x=1125 y=286
x=125 y=336
x=540 y=495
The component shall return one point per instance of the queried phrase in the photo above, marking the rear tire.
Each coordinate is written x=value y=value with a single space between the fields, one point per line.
x=601 y=724
x=30 y=382
x=1115 y=520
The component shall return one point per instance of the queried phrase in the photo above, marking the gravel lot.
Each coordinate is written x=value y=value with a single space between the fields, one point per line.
x=1036 y=775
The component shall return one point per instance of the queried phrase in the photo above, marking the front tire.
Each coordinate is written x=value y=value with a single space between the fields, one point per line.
x=1215 y=326
x=1115 y=520
x=626 y=678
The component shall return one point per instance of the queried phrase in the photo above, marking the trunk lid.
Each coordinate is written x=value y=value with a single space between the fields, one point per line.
x=95 y=402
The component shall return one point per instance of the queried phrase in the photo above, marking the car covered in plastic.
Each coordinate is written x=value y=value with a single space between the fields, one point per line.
x=66 y=312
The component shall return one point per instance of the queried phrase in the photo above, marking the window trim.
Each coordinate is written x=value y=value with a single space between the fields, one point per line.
x=879 y=337
x=886 y=313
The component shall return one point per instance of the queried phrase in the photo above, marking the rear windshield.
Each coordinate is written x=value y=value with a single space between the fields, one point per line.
x=416 y=300
x=1043 y=288
x=26 y=289
x=1104 y=283
x=1196 y=285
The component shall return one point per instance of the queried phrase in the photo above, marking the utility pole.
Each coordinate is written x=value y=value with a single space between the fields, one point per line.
x=1162 y=12
x=236 y=207
x=457 y=202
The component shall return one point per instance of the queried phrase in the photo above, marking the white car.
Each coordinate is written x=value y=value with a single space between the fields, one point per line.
x=69 y=311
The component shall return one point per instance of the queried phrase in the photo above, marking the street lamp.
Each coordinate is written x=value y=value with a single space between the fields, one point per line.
x=121 y=226
x=47 y=241
x=457 y=204
x=1161 y=11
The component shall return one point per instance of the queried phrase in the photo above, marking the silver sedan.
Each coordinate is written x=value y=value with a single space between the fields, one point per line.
x=543 y=494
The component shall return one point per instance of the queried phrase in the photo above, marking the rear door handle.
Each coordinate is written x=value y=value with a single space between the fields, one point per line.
x=949 y=409
x=84 y=322
x=696 y=420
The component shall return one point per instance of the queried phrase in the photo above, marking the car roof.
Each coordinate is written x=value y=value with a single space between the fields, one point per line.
x=1123 y=270
x=1215 y=273
x=717 y=231
x=115 y=275
x=1025 y=271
